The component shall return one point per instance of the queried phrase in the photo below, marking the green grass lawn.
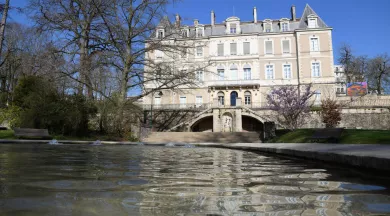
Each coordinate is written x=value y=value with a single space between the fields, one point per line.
x=7 y=134
x=349 y=136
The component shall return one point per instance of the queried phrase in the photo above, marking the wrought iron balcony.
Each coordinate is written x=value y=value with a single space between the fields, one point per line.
x=219 y=83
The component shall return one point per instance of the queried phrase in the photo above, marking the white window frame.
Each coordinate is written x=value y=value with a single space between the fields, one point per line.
x=199 y=78
x=201 y=29
x=265 y=47
x=223 y=49
x=317 y=97
x=291 y=71
x=248 y=102
x=183 y=105
x=267 y=22
x=230 y=46
x=312 y=71
x=231 y=28
x=158 y=33
x=155 y=99
x=186 y=31
x=250 y=73
x=243 y=48
x=312 y=18
x=281 y=27
x=273 y=71
x=230 y=72
x=159 y=55
x=221 y=77
x=196 y=51
x=199 y=102
x=318 y=45
x=289 y=44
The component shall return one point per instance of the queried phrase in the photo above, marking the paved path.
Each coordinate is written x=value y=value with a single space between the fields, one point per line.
x=361 y=155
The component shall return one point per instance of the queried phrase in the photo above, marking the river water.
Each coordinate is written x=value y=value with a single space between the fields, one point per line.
x=139 y=180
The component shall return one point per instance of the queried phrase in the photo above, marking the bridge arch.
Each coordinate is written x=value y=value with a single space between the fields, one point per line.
x=252 y=123
x=202 y=123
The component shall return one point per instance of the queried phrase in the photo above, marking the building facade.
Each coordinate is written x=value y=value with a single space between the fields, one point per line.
x=243 y=61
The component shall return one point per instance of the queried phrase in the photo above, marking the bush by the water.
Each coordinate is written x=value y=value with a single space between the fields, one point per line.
x=37 y=104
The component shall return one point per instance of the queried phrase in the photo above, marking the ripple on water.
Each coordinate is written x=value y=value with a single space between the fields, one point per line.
x=141 y=180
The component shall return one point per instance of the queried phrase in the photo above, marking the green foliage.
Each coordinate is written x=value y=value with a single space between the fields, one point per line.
x=330 y=113
x=42 y=107
x=11 y=116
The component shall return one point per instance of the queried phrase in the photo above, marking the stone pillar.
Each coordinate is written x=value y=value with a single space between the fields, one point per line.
x=238 y=120
x=238 y=101
x=215 y=102
x=216 y=120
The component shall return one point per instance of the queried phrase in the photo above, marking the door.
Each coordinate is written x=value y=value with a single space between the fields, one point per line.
x=233 y=97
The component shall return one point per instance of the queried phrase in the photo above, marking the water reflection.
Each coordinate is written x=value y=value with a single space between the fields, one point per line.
x=140 y=180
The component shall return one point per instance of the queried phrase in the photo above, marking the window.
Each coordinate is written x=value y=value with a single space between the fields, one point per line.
x=317 y=97
x=314 y=45
x=233 y=49
x=221 y=98
x=247 y=72
x=184 y=33
x=220 y=50
x=287 y=71
x=315 y=69
x=286 y=46
x=157 y=101
x=221 y=74
x=269 y=72
x=284 y=27
x=233 y=72
x=267 y=27
x=199 y=76
x=159 y=54
x=199 y=51
x=199 y=32
x=233 y=28
x=312 y=22
x=247 y=98
x=268 y=48
x=247 y=48
x=183 y=101
x=199 y=101
x=160 y=34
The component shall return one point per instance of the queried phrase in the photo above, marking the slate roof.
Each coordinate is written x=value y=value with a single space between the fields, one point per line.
x=248 y=27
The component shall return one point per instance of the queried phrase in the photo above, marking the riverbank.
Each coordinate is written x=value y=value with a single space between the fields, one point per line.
x=371 y=156
x=349 y=136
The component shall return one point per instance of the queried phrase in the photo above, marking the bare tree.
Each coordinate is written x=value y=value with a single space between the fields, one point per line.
x=378 y=72
x=4 y=8
x=75 y=24
x=291 y=106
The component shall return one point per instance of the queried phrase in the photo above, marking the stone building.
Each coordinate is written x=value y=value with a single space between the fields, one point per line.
x=245 y=60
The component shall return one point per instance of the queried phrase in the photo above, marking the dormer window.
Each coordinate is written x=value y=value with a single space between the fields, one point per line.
x=184 y=32
x=284 y=24
x=267 y=25
x=160 y=34
x=199 y=32
x=284 y=27
x=312 y=21
x=233 y=28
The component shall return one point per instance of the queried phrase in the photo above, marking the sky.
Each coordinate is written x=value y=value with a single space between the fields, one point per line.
x=362 y=24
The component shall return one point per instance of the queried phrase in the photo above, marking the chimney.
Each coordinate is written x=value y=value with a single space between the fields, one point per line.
x=293 y=14
x=254 y=15
x=196 y=22
x=212 y=18
x=178 y=19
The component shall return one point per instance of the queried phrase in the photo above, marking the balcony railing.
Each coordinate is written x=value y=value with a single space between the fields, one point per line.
x=183 y=106
x=249 y=82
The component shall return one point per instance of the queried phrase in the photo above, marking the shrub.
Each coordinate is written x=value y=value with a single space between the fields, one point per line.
x=330 y=113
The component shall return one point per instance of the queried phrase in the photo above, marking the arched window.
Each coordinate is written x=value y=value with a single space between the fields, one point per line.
x=220 y=72
x=247 y=72
x=233 y=72
x=248 y=98
x=221 y=98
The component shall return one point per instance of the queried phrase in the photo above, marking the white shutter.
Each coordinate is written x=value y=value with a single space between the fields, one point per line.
x=220 y=50
x=286 y=46
x=233 y=49
x=268 y=47
x=247 y=48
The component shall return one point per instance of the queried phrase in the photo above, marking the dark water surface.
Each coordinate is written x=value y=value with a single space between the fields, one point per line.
x=140 y=180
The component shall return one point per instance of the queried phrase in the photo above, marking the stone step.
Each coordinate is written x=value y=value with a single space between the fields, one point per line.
x=203 y=137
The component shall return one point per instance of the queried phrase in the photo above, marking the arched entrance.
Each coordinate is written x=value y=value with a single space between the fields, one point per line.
x=203 y=125
x=233 y=97
x=251 y=124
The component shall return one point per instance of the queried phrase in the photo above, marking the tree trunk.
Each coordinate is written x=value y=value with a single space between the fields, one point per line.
x=2 y=30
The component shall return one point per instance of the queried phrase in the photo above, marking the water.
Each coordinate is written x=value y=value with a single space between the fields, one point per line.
x=142 y=180
x=53 y=142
